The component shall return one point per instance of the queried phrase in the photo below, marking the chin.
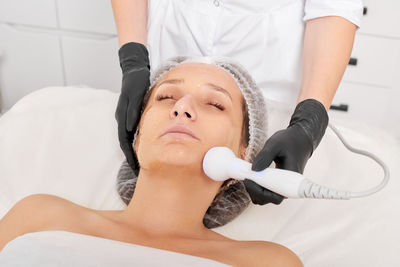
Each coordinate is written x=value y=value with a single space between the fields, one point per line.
x=173 y=154
x=180 y=155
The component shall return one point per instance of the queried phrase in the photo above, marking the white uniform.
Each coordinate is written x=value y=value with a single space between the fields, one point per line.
x=265 y=36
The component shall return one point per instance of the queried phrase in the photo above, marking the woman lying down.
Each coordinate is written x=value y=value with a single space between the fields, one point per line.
x=171 y=204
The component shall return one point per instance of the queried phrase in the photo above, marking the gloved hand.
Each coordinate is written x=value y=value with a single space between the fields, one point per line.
x=290 y=148
x=134 y=62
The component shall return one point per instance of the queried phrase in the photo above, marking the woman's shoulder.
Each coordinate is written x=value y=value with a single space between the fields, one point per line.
x=265 y=253
x=52 y=203
x=36 y=199
x=30 y=214
x=44 y=211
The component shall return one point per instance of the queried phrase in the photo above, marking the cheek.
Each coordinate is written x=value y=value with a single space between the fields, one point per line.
x=152 y=122
x=223 y=132
x=150 y=127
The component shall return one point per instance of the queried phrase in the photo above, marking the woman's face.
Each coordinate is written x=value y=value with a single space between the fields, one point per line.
x=214 y=117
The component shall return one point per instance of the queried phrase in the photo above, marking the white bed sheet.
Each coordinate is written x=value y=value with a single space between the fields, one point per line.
x=63 y=141
x=66 y=249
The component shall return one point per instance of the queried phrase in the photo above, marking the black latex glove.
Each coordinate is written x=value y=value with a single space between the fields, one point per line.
x=290 y=148
x=134 y=62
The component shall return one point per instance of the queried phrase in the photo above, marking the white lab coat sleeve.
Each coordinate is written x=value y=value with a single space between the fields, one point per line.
x=351 y=10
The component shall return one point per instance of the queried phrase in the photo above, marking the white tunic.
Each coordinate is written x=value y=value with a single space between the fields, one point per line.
x=67 y=249
x=265 y=36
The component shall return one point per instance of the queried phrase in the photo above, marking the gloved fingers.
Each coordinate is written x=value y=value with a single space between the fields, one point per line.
x=287 y=163
x=120 y=111
x=260 y=195
x=291 y=163
x=129 y=154
x=265 y=157
x=132 y=116
x=135 y=84
x=125 y=142
x=135 y=165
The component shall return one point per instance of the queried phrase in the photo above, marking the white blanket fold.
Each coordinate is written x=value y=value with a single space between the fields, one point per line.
x=66 y=249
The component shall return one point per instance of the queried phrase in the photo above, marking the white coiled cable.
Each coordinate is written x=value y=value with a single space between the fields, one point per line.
x=308 y=189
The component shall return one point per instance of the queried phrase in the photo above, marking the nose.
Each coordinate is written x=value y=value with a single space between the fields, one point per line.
x=183 y=108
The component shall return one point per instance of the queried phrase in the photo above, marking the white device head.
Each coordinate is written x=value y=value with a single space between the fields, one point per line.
x=220 y=164
x=215 y=163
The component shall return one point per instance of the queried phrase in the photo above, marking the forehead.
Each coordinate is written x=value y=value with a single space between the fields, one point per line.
x=200 y=73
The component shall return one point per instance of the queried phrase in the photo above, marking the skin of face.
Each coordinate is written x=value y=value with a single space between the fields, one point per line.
x=213 y=127
x=171 y=181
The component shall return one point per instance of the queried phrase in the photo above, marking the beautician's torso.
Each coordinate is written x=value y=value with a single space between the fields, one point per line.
x=65 y=215
x=230 y=28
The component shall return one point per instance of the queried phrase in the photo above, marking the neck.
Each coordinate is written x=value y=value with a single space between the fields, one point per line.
x=171 y=203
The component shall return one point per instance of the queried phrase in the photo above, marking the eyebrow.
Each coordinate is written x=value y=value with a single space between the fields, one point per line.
x=211 y=85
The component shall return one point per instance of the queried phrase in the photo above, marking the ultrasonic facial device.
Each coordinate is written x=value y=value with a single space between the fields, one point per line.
x=220 y=164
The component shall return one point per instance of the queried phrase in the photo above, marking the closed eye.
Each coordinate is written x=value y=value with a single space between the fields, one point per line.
x=161 y=97
x=215 y=104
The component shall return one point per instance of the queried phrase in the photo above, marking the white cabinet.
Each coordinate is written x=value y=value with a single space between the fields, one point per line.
x=381 y=18
x=30 y=61
x=371 y=86
x=377 y=61
x=38 y=12
x=92 y=62
x=87 y=15
x=56 y=42
x=370 y=104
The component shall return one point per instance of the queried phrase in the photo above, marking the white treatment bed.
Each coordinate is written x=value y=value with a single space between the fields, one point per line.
x=63 y=141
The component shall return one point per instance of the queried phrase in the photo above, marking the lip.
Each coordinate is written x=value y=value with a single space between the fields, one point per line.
x=180 y=129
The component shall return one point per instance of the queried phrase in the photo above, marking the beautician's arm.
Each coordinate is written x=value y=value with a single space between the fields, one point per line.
x=328 y=42
x=131 y=21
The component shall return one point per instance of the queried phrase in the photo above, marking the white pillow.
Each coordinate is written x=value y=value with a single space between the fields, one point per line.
x=63 y=141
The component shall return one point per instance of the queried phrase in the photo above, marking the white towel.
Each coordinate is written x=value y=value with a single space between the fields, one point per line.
x=62 y=248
